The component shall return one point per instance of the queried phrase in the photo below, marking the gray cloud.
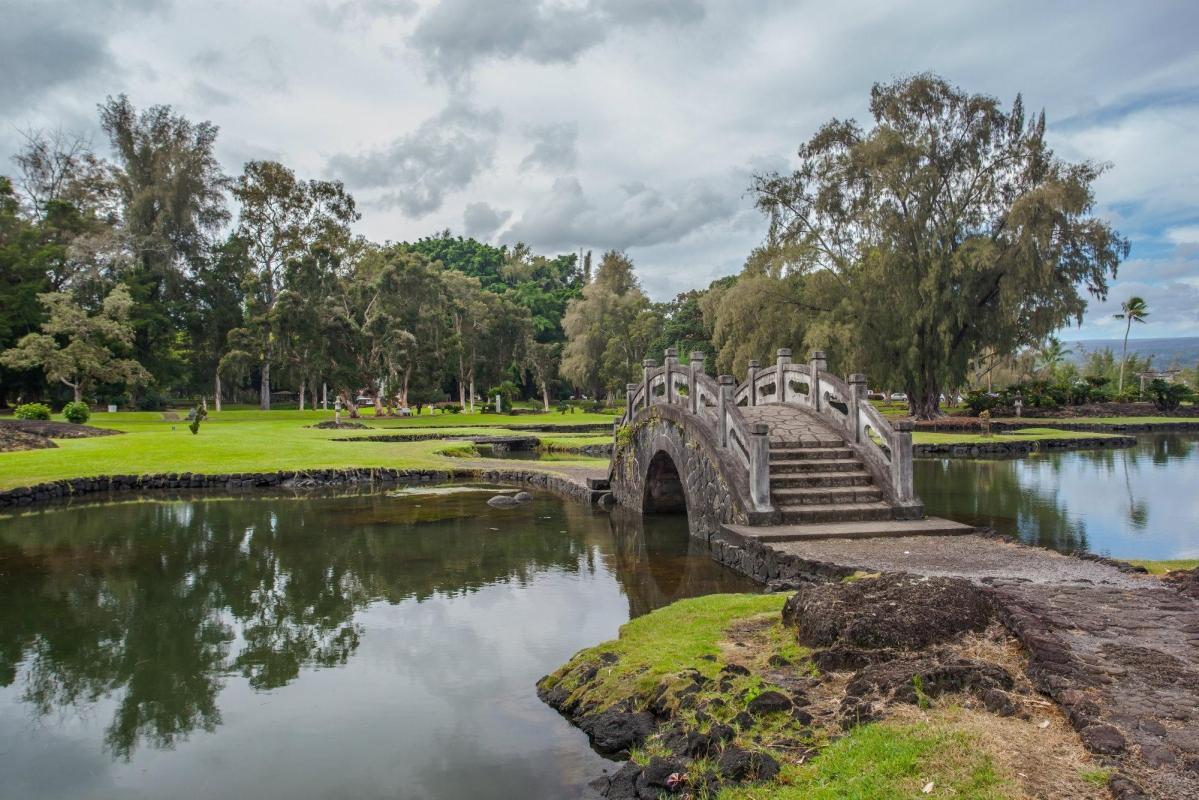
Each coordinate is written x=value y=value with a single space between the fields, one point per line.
x=417 y=170
x=258 y=63
x=357 y=13
x=481 y=221
x=565 y=217
x=455 y=34
x=554 y=148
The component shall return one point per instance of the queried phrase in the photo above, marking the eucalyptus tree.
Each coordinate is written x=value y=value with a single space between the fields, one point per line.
x=172 y=196
x=949 y=227
x=283 y=218
x=1134 y=309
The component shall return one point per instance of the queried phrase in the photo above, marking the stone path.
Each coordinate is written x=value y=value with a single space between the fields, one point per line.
x=793 y=426
x=1118 y=651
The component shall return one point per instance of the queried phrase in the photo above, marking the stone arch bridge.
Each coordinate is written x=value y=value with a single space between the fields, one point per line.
x=792 y=448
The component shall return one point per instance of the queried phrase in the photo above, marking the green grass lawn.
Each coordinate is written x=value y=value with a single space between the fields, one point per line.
x=1162 y=567
x=1021 y=435
x=254 y=441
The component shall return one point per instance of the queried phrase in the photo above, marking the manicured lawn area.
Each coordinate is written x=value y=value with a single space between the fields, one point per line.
x=251 y=441
x=1021 y=435
x=1162 y=567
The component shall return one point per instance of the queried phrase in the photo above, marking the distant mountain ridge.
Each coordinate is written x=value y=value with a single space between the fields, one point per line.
x=1181 y=351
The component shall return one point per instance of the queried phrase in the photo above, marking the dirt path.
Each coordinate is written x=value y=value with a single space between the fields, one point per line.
x=1119 y=651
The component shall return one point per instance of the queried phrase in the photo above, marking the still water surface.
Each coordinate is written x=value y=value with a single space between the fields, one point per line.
x=1136 y=502
x=360 y=646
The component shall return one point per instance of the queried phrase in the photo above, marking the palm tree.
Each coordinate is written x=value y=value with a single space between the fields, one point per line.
x=1135 y=309
x=1050 y=354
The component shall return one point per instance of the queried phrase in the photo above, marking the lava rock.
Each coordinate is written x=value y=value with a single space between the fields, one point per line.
x=653 y=782
x=613 y=732
x=998 y=702
x=1103 y=739
x=503 y=501
x=896 y=680
x=894 y=610
x=620 y=786
x=523 y=497
x=734 y=669
x=736 y=764
x=769 y=702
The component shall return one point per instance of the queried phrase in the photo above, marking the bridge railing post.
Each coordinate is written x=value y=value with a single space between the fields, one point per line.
x=647 y=366
x=759 y=464
x=817 y=365
x=751 y=377
x=726 y=402
x=630 y=399
x=901 y=461
x=857 y=390
x=671 y=359
x=780 y=383
x=696 y=368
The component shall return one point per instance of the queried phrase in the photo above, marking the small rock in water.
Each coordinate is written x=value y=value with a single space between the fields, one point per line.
x=503 y=501
x=523 y=497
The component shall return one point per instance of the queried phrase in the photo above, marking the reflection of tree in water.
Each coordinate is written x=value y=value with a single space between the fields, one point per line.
x=990 y=493
x=658 y=561
x=156 y=603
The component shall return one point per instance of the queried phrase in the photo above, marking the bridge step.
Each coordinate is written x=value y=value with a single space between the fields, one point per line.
x=809 y=479
x=803 y=453
x=816 y=465
x=842 y=512
x=825 y=495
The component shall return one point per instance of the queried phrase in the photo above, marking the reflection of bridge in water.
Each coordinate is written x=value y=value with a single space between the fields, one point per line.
x=793 y=452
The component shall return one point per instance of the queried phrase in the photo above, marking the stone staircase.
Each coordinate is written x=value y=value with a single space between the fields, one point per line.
x=823 y=482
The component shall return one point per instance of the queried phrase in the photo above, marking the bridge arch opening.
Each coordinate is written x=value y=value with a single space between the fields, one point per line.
x=663 y=487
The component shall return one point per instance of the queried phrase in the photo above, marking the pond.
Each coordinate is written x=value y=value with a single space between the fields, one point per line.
x=352 y=645
x=1135 y=502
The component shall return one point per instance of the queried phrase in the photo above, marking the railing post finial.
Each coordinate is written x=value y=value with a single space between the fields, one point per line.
x=695 y=367
x=751 y=379
x=857 y=390
x=630 y=399
x=816 y=365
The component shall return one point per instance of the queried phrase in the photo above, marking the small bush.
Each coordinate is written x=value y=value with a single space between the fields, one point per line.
x=151 y=401
x=33 y=411
x=1167 y=396
x=77 y=412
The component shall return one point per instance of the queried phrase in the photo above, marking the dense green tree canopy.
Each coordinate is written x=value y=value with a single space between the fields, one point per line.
x=949 y=227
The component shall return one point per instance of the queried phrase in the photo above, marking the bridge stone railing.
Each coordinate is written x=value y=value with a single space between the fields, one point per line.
x=884 y=446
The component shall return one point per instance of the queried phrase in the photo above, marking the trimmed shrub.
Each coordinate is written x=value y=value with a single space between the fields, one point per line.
x=32 y=411
x=77 y=412
x=1167 y=396
x=151 y=401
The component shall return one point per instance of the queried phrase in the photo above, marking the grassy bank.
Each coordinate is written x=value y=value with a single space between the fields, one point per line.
x=1021 y=435
x=1162 y=567
x=256 y=441
x=940 y=749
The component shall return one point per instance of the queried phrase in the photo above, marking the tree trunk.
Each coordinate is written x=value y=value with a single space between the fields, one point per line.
x=926 y=405
x=78 y=388
x=472 y=392
x=1124 y=357
x=303 y=388
x=545 y=395
x=461 y=383
x=264 y=387
x=324 y=396
x=349 y=404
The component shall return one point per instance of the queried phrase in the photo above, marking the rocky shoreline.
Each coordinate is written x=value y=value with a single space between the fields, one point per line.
x=1013 y=446
x=568 y=486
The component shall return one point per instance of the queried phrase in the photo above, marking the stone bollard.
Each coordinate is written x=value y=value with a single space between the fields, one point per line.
x=696 y=368
x=759 y=465
x=780 y=382
x=647 y=367
x=751 y=377
x=901 y=460
x=857 y=396
x=817 y=365
x=726 y=402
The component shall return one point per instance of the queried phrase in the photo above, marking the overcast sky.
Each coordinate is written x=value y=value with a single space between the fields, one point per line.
x=632 y=124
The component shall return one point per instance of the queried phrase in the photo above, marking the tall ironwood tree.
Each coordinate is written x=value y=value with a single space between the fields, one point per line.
x=950 y=227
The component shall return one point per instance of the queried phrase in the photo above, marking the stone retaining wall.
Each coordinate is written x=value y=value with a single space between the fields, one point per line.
x=1018 y=447
x=74 y=487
